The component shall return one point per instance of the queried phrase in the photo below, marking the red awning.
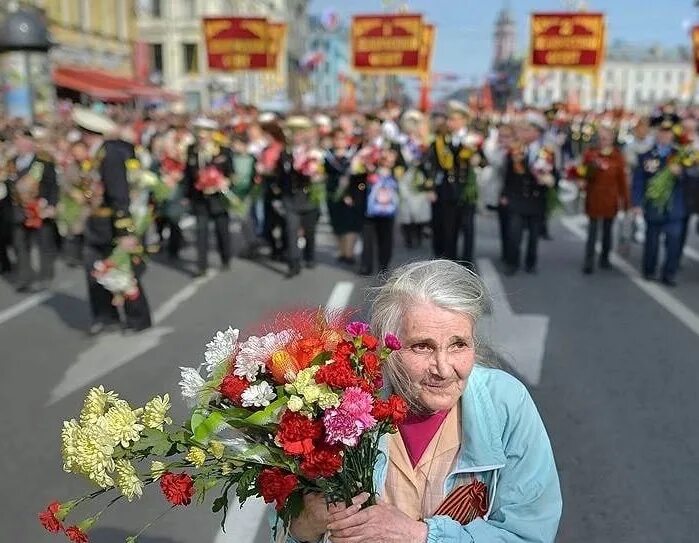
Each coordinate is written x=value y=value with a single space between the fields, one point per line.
x=108 y=87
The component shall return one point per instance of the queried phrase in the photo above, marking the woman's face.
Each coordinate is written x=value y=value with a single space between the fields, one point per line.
x=438 y=354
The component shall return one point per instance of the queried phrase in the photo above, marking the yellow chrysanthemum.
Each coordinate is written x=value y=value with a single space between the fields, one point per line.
x=304 y=378
x=95 y=404
x=196 y=456
x=155 y=412
x=295 y=404
x=133 y=164
x=216 y=448
x=328 y=399
x=122 y=423
x=88 y=451
x=157 y=468
x=226 y=468
x=311 y=393
x=126 y=479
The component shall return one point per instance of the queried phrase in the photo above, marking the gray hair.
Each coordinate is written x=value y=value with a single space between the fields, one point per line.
x=444 y=283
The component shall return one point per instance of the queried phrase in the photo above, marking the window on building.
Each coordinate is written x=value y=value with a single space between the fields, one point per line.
x=668 y=76
x=155 y=8
x=681 y=77
x=610 y=76
x=654 y=75
x=637 y=97
x=156 y=57
x=190 y=55
x=564 y=78
x=639 y=76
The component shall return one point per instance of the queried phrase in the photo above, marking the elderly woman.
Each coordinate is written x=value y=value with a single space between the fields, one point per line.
x=472 y=463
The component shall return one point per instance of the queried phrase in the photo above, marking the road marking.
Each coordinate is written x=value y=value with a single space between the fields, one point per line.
x=340 y=296
x=250 y=525
x=691 y=253
x=111 y=351
x=519 y=339
x=30 y=302
x=658 y=293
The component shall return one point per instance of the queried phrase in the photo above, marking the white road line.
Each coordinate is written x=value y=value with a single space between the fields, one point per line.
x=29 y=303
x=691 y=253
x=111 y=351
x=250 y=524
x=340 y=296
x=658 y=293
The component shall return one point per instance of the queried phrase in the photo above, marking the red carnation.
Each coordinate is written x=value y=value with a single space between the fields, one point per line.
x=372 y=367
x=275 y=486
x=48 y=518
x=324 y=462
x=178 y=488
x=76 y=535
x=370 y=342
x=297 y=433
x=305 y=350
x=394 y=409
x=338 y=374
x=344 y=352
x=233 y=387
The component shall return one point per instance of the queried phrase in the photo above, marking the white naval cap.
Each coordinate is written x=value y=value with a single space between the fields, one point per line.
x=92 y=121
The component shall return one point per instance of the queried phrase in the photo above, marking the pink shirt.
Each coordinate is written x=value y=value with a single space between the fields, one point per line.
x=417 y=432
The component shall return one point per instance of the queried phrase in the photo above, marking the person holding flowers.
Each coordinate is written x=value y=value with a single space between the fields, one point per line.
x=603 y=175
x=659 y=190
x=472 y=461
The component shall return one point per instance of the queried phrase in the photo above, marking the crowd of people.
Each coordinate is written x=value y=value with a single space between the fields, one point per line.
x=71 y=187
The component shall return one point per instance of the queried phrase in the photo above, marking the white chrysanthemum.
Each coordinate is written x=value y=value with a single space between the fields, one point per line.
x=117 y=280
x=95 y=404
x=155 y=412
x=192 y=385
x=157 y=468
x=256 y=351
x=220 y=349
x=88 y=451
x=258 y=395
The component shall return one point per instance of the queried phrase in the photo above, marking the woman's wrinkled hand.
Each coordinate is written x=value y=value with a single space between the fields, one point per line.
x=312 y=523
x=381 y=523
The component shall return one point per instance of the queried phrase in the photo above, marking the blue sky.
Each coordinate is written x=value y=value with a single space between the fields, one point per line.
x=465 y=27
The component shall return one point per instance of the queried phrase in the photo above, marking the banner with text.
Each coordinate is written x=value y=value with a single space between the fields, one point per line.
x=387 y=43
x=243 y=43
x=427 y=49
x=567 y=40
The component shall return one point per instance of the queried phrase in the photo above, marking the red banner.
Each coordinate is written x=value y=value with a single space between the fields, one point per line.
x=695 y=47
x=277 y=39
x=237 y=43
x=386 y=44
x=427 y=49
x=567 y=40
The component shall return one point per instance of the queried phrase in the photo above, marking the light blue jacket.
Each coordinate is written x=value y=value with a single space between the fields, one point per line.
x=504 y=443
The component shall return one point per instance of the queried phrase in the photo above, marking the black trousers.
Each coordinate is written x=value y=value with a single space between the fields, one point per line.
x=412 y=234
x=468 y=229
x=446 y=225
x=137 y=312
x=518 y=223
x=504 y=224
x=24 y=240
x=377 y=237
x=296 y=220
x=223 y=239
x=175 y=239
x=592 y=228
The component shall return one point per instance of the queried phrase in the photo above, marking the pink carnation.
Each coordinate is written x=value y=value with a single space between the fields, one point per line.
x=392 y=342
x=351 y=419
x=357 y=328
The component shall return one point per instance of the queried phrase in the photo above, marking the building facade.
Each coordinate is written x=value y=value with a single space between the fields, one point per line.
x=325 y=82
x=172 y=30
x=96 y=34
x=632 y=77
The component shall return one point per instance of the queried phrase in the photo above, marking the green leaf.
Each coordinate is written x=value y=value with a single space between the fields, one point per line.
x=152 y=439
x=247 y=484
x=208 y=427
x=268 y=415
x=220 y=503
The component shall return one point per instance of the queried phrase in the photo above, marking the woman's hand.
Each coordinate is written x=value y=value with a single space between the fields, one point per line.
x=312 y=523
x=380 y=523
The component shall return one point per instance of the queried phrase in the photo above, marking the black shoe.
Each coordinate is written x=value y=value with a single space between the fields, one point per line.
x=531 y=270
x=669 y=282
x=365 y=272
x=605 y=265
x=294 y=270
x=510 y=271
x=199 y=273
x=588 y=269
x=648 y=277
x=225 y=267
x=23 y=289
x=310 y=264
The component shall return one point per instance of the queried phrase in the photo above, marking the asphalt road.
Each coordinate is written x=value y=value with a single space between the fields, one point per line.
x=611 y=361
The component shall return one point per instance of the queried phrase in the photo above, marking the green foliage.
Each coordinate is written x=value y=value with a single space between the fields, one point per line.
x=153 y=442
x=247 y=484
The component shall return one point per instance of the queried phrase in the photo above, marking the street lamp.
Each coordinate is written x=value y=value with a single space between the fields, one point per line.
x=26 y=74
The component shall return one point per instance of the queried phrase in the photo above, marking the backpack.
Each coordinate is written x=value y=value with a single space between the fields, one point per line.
x=383 y=198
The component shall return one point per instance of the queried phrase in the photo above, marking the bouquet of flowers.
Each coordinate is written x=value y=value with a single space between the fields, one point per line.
x=211 y=181
x=661 y=185
x=310 y=163
x=365 y=160
x=472 y=152
x=116 y=273
x=293 y=411
x=73 y=202
x=542 y=169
